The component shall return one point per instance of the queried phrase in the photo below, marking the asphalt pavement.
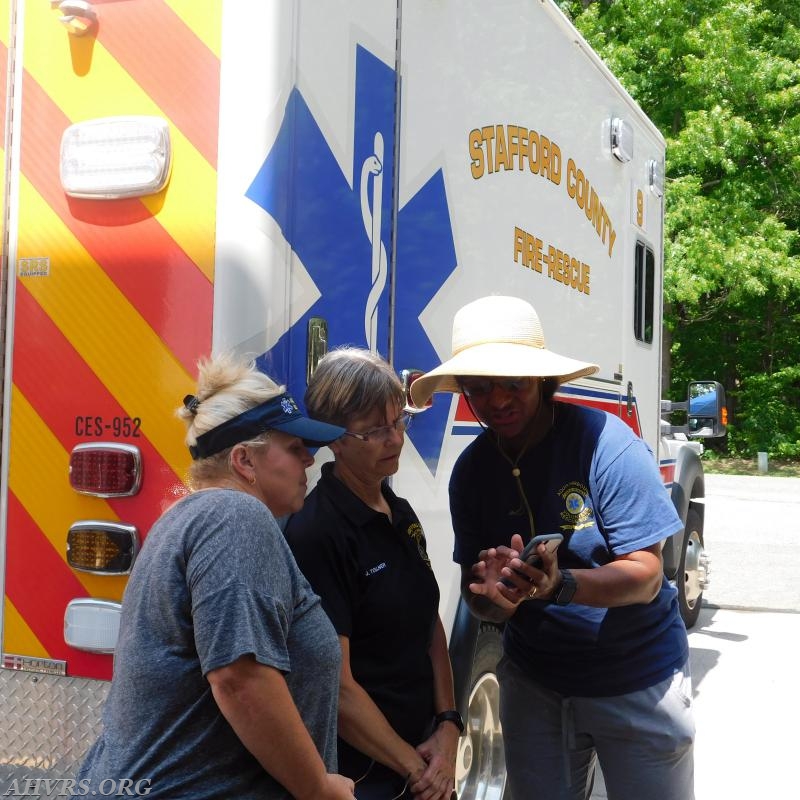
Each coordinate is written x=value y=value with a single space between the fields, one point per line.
x=744 y=649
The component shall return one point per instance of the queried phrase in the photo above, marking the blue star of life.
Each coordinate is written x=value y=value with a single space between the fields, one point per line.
x=340 y=228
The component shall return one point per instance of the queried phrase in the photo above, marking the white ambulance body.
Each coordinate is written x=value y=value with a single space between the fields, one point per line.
x=315 y=174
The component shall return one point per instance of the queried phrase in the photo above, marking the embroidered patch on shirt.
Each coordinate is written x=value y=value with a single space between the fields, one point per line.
x=415 y=533
x=373 y=570
x=577 y=513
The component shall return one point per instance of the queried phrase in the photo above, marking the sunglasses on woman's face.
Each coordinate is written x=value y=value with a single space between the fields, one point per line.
x=481 y=387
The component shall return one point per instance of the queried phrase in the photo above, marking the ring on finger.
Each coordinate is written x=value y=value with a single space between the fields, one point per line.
x=532 y=592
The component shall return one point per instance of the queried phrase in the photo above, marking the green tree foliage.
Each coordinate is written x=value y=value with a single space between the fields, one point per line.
x=721 y=79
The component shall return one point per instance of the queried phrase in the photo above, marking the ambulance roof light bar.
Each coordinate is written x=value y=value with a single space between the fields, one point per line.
x=115 y=157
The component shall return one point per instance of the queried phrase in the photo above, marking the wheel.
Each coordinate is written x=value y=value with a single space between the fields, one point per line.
x=692 y=576
x=481 y=761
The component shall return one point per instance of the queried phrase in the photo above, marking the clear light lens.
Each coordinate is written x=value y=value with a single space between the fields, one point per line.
x=103 y=548
x=105 y=469
x=115 y=157
x=655 y=177
x=92 y=625
x=621 y=140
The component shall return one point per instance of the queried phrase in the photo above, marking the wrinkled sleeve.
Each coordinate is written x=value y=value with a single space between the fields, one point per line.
x=243 y=584
x=634 y=507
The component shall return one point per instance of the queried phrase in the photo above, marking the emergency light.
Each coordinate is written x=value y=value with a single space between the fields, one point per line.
x=621 y=140
x=92 y=625
x=105 y=469
x=101 y=547
x=113 y=157
x=655 y=177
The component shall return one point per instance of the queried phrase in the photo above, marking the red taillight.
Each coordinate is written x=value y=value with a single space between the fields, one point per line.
x=105 y=469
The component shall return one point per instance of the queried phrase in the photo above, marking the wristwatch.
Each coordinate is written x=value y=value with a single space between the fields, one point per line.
x=563 y=595
x=450 y=716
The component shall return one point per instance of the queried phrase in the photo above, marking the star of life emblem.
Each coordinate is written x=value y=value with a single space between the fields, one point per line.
x=289 y=406
x=577 y=513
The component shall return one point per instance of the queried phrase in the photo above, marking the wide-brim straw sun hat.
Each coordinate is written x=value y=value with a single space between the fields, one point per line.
x=497 y=336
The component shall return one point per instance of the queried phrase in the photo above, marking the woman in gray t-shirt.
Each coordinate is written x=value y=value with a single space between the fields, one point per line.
x=226 y=669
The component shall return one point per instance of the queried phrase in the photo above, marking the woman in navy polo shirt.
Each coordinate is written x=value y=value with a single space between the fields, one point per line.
x=363 y=550
x=595 y=652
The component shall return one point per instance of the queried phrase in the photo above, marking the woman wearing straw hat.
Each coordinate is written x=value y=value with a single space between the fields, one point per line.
x=226 y=669
x=595 y=652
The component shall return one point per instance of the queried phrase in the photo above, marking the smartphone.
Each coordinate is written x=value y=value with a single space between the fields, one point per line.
x=529 y=555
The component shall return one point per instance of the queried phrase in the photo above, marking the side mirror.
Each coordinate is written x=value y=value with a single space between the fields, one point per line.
x=407 y=377
x=708 y=416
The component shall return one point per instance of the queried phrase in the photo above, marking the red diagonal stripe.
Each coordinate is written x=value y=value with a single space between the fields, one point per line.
x=170 y=63
x=155 y=274
x=40 y=587
x=45 y=366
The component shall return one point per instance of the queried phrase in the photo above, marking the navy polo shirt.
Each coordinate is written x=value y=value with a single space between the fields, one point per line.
x=378 y=588
x=592 y=480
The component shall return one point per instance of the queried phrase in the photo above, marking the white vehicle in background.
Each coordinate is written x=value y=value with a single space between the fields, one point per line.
x=278 y=178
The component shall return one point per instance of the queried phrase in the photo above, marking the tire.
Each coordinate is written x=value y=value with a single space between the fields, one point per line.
x=692 y=576
x=481 y=761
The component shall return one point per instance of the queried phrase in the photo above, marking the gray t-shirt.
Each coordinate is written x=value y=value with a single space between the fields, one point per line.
x=215 y=580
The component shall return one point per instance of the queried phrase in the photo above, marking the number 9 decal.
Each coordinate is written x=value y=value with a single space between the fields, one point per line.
x=640 y=208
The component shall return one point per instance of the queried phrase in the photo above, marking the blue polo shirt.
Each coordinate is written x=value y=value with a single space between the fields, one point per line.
x=592 y=480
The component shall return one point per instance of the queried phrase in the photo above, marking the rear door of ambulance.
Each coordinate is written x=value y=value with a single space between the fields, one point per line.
x=109 y=304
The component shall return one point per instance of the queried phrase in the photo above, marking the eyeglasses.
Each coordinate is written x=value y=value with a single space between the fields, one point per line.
x=382 y=433
x=481 y=387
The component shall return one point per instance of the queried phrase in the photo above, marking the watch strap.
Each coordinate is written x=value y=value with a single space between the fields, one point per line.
x=450 y=716
x=566 y=589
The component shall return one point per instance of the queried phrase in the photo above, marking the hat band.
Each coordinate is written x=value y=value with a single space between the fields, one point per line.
x=246 y=425
x=535 y=345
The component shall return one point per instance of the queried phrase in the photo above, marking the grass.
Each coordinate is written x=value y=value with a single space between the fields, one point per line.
x=777 y=468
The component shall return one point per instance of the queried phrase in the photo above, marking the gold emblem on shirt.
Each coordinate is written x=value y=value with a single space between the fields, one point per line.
x=415 y=532
x=576 y=514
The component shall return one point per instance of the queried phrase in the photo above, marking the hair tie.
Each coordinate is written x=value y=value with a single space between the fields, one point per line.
x=191 y=403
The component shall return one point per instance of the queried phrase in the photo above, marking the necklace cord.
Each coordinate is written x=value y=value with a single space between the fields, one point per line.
x=515 y=471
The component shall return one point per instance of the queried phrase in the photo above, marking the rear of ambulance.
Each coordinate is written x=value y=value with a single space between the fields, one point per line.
x=110 y=173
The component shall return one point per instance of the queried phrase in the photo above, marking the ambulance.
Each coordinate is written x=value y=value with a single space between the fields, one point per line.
x=276 y=178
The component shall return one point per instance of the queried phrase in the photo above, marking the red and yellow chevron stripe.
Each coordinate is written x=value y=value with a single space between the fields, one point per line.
x=116 y=327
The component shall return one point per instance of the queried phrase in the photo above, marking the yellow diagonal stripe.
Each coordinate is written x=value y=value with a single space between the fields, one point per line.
x=5 y=19
x=203 y=18
x=103 y=88
x=127 y=356
x=18 y=638
x=37 y=459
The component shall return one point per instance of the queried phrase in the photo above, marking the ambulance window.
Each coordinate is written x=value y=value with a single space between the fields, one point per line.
x=643 y=293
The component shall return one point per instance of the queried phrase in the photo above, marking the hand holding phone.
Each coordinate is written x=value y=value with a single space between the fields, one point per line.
x=530 y=554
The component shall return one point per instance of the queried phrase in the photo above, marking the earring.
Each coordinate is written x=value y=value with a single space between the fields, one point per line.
x=253 y=480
